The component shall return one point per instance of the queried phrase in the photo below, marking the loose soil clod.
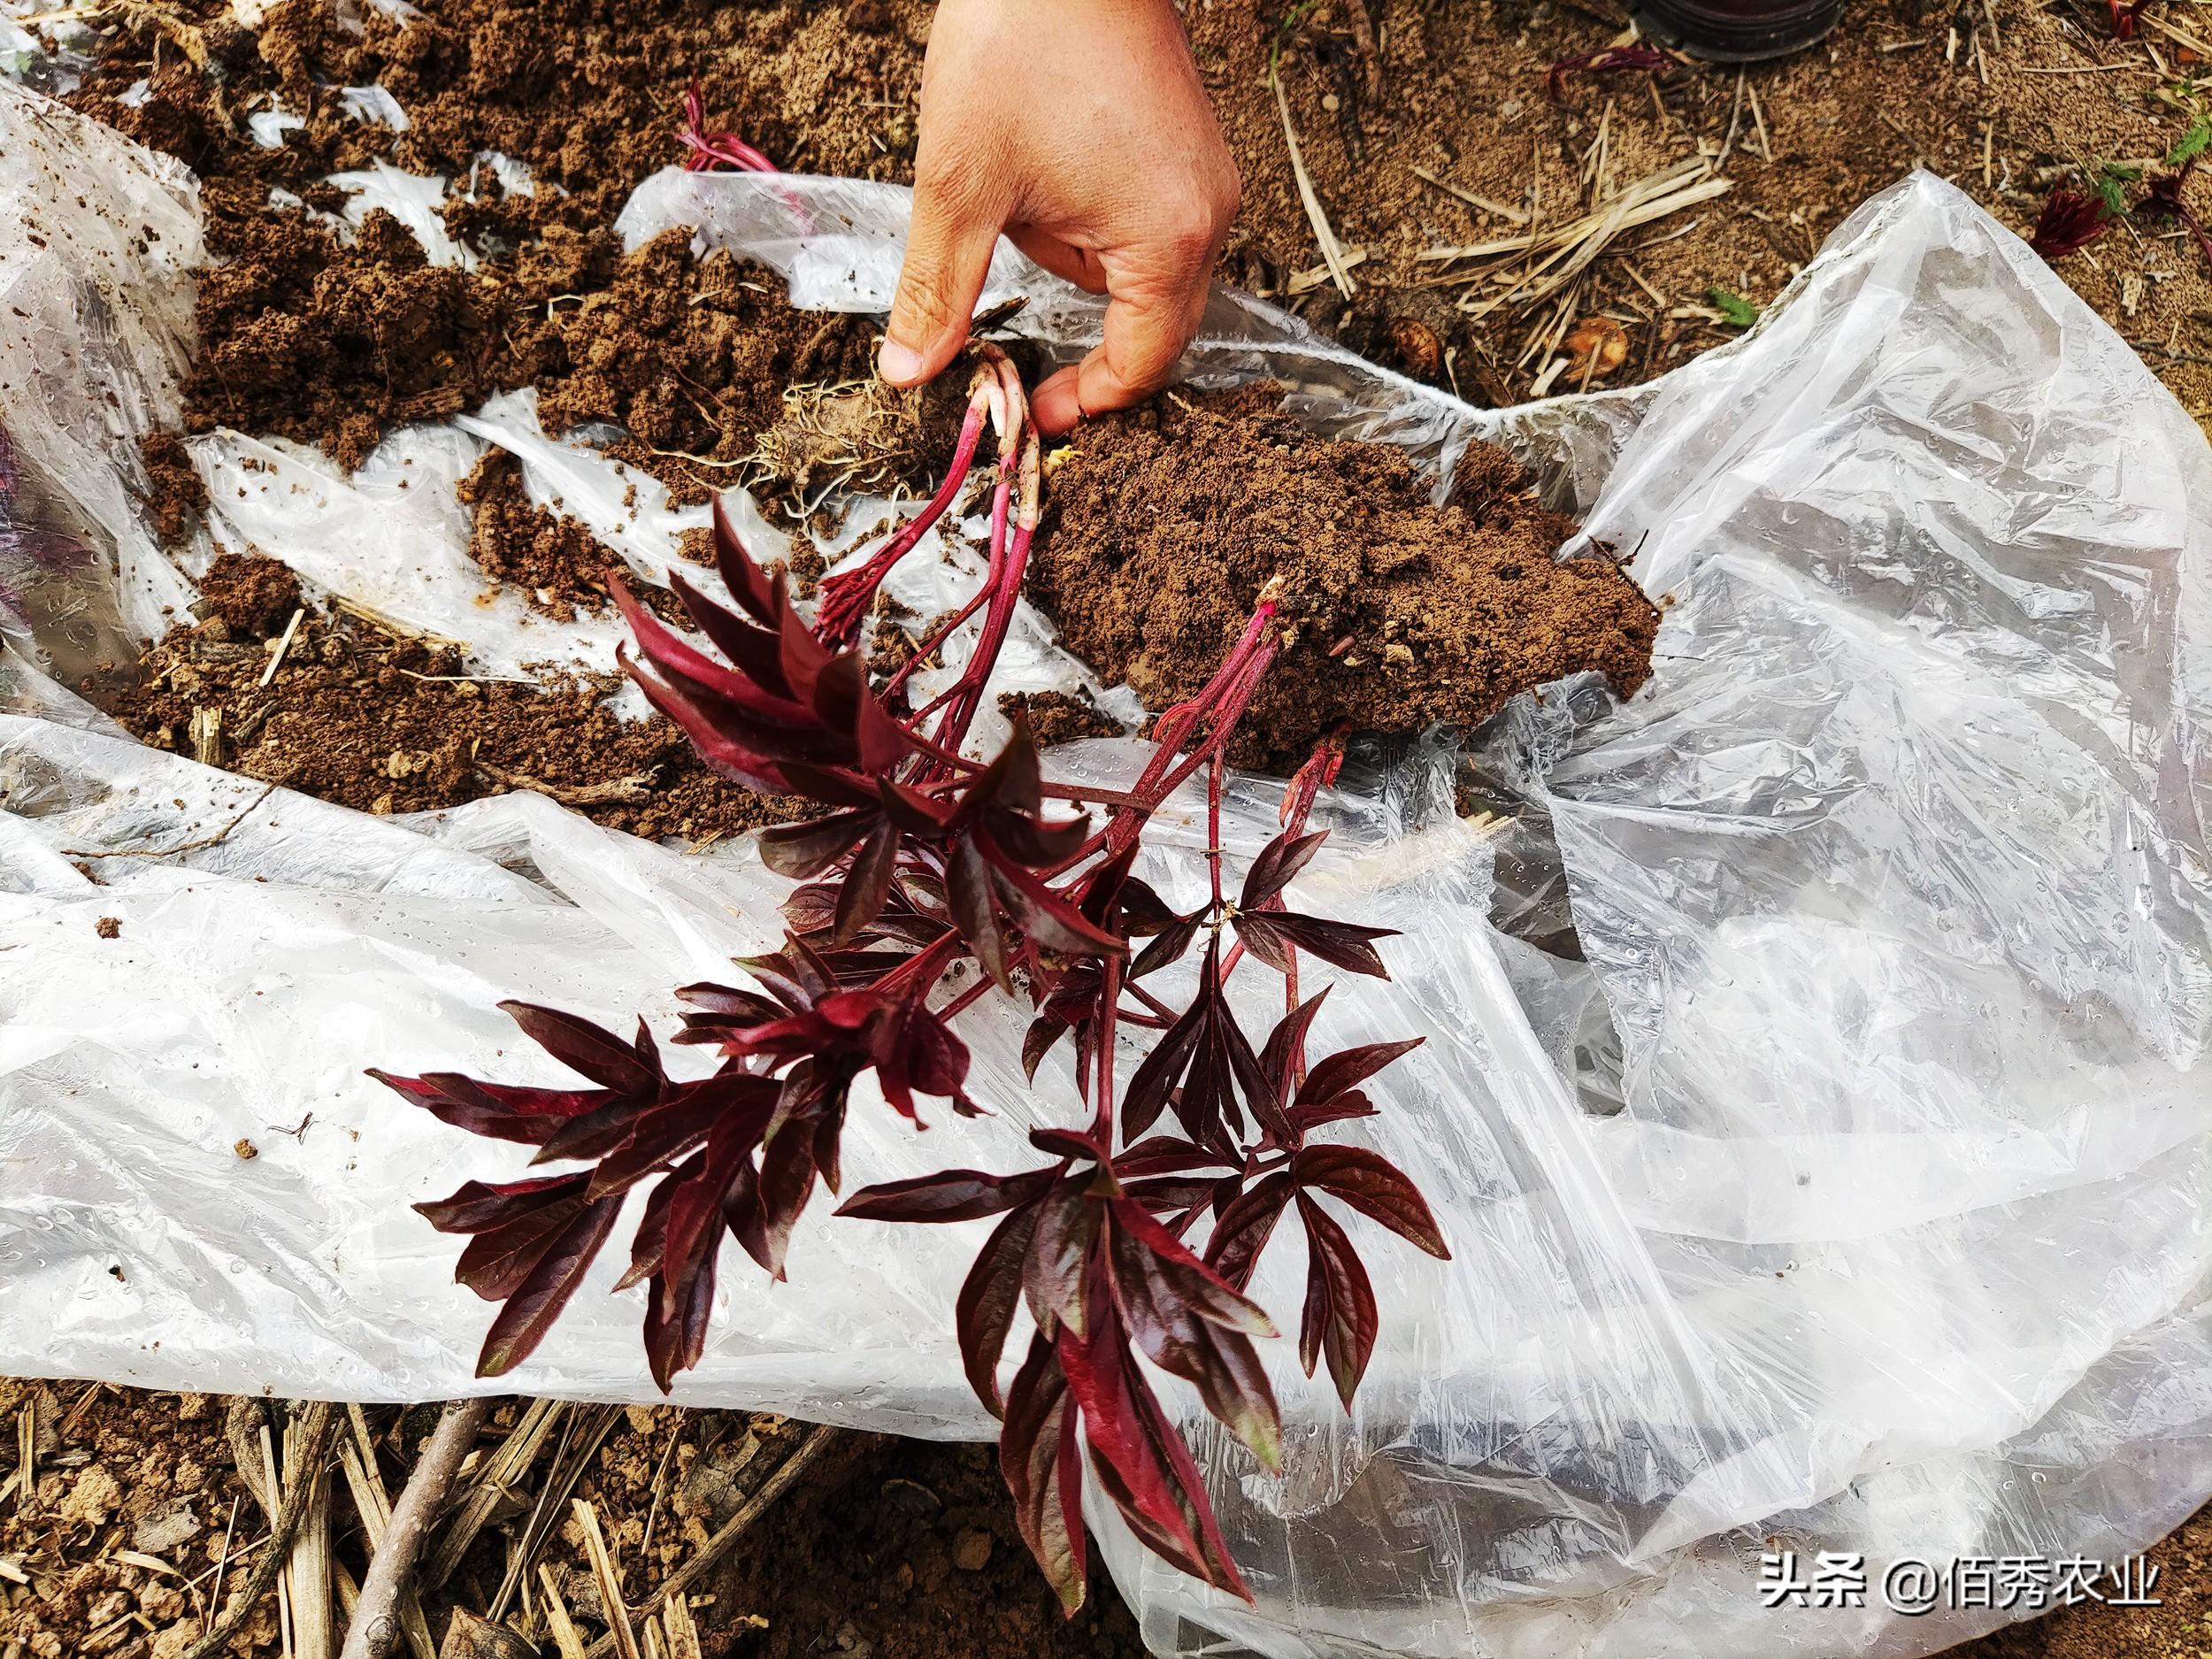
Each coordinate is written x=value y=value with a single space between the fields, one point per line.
x=1163 y=527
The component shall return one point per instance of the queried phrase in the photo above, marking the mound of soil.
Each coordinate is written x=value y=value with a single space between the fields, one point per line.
x=587 y=93
x=306 y=336
x=1162 y=525
x=385 y=724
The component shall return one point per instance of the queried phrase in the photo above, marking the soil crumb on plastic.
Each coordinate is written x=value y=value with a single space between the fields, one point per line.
x=175 y=493
x=1163 y=524
x=1055 y=716
x=253 y=598
x=555 y=562
x=385 y=724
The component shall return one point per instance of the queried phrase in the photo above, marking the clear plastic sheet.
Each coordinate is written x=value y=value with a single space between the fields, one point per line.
x=1843 y=1187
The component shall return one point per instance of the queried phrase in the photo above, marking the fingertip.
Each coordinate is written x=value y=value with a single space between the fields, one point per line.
x=897 y=363
x=1058 y=403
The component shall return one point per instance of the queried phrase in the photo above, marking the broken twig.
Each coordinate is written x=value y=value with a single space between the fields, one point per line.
x=377 y=1624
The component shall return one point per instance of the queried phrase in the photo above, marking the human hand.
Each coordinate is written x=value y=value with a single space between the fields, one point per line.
x=1080 y=129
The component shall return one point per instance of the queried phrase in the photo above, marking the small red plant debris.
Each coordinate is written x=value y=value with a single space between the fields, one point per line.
x=705 y=151
x=2070 y=222
x=1132 y=1239
x=2124 y=16
x=2163 y=200
x=1609 y=60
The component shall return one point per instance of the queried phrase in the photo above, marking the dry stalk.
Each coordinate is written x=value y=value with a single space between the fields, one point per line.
x=679 y=1584
x=1331 y=251
x=377 y=1621
x=315 y=1422
x=375 y=1507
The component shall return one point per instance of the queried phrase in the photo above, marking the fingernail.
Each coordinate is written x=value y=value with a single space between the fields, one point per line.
x=898 y=363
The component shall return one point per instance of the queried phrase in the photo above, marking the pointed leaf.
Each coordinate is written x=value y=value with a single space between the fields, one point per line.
x=592 y=1050
x=805 y=849
x=530 y=1312
x=1279 y=861
x=969 y=892
x=1243 y=1229
x=1348 y=1067
x=948 y=1196
x=1337 y=1291
x=1041 y=1459
x=867 y=884
x=1056 y=1275
x=983 y=1312
x=1376 y=1188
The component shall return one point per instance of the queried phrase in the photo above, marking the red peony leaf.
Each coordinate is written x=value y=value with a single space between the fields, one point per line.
x=1041 y=1458
x=592 y=1050
x=669 y=1130
x=498 y=1111
x=1140 y=1460
x=1045 y=915
x=1206 y=1295
x=1164 y=1155
x=1243 y=1229
x=1341 y=943
x=985 y=1311
x=479 y=1207
x=498 y=1260
x=805 y=849
x=1037 y=1041
x=1166 y=946
x=1348 y=1067
x=1376 y=1188
x=529 y=1313
x=1170 y=1304
x=740 y=573
x=752 y=651
x=867 y=884
x=675 y=1339
x=1056 y=1276
x=720 y=752
x=1339 y=1109
x=648 y=1247
x=1340 y=1319
x=948 y=1196
x=1278 y=863
x=969 y=894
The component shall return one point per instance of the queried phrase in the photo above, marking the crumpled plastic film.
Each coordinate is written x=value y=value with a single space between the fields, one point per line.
x=1837 y=1182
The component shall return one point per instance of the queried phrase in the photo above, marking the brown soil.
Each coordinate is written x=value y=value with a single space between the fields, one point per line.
x=1399 y=613
x=2030 y=93
x=175 y=492
x=310 y=339
x=358 y=716
x=554 y=560
x=588 y=93
x=1054 y=717
x=884 y=1549
x=590 y=96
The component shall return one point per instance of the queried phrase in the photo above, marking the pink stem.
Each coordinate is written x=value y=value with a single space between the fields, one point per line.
x=847 y=595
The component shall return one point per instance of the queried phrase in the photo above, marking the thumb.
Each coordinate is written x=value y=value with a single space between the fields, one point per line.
x=1147 y=326
x=948 y=256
